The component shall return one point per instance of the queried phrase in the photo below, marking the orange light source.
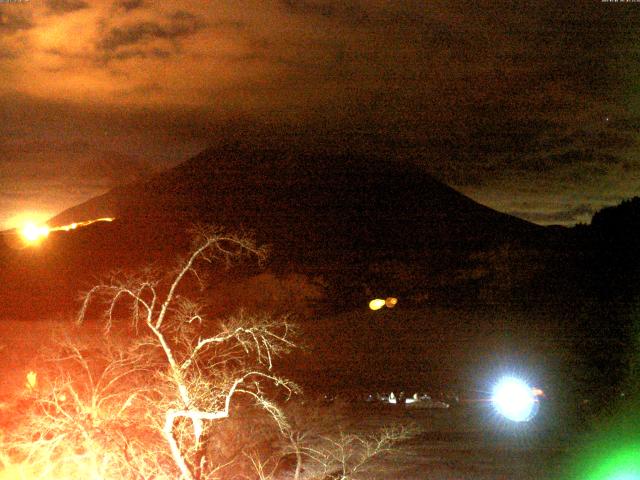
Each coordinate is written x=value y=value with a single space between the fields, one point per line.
x=391 y=302
x=33 y=234
x=32 y=381
x=537 y=392
x=376 y=304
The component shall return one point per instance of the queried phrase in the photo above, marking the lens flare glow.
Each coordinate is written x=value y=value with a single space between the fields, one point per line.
x=621 y=464
x=391 y=302
x=32 y=233
x=514 y=399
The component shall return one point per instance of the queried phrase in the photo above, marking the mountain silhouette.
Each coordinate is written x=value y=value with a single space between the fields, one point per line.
x=330 y=214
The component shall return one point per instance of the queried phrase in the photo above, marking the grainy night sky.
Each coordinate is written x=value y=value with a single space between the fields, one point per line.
x=529 y=107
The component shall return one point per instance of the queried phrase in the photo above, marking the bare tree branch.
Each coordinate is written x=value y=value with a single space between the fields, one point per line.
x=206 y=369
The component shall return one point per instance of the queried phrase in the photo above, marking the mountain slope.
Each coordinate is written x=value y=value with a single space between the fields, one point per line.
x=329 y=214
x=317 y=205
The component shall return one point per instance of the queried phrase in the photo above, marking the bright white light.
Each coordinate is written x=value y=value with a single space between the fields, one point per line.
x=514 y=399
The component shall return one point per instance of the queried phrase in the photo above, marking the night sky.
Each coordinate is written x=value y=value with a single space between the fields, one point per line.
x=529 y=107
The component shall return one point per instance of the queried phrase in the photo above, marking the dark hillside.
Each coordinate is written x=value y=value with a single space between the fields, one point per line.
x=319 y=208
x=340 y=216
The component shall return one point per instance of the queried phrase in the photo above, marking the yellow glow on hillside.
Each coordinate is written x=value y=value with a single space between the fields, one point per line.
x=33 y=234
x=74 y=225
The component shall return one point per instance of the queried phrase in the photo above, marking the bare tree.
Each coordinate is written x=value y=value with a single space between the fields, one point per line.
x=349 y=455
x=207 y=366
x=91 y=419
x=326 y=445
x=150 y=408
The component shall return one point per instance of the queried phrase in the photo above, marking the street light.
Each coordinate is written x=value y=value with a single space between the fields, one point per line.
x=514 y=399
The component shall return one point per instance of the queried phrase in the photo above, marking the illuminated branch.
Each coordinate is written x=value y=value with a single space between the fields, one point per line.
x=344 y=456
x=77 y=427
x=209 y=240
x=206 y=371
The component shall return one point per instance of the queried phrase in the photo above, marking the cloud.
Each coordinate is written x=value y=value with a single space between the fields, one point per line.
x=14 y=20
x=108 y=169
x=138 y=53
x=490 y=96
x=60 y=7
x=569 y=216
x=128 y=5
x=350 y=12
x=304 y=7
x=179 y=24
x=48 y=177
x=573 y=161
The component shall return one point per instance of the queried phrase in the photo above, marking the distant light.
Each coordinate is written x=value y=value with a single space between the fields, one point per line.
x=391 y=302
x=537 y=392
x=32 y=381
x=376 y=304
x=32 y=233
x=74 y=225
x=514 y=399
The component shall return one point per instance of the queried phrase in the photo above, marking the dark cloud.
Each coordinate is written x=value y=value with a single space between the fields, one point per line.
x=128 y=5
x=629 y=123
x=306 y=7
x=108 y=169
x=547 y=95
x=50 y=176
x=584 y=175
x=609 y=138
x=569 y=216
x=490 y=96
x=138 y=53
x=14 y=20
x=577 y=159
x=150 y=87
x=180 y=24
x=329 y=9
x=65 y=6
x=77 y=163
